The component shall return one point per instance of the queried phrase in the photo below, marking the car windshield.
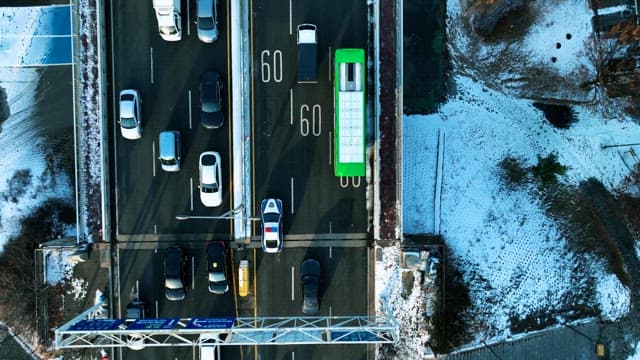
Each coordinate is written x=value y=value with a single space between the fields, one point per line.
x=173 y=283
x=168 y=161
x=209 y=102
x=205 y=23
x=216 y=277
x=168 y=30
x=210 y=188
x=271 y=243
x=271 y=218
x=128 y=122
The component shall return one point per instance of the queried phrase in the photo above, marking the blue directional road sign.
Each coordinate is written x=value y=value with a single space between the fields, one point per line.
x=153 y=324
x=211 y=323
x=96 y=324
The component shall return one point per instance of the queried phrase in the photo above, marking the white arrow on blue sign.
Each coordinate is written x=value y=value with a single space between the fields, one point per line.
x=211 y=323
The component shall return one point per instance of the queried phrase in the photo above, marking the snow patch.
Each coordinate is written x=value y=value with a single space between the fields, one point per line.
x=614 y=297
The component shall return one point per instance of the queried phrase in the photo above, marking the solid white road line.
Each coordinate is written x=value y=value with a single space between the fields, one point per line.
x=190 y=127
x=153 y=156
x=191 y=192
x=292 y=283
x=291 y=106
x=292 y=203
x=155 y=228
x=193 y=272
x=188 y=19
x=330 y=149
x=330 y=251
x=151 y=65
x=330 y=57
x=156 y=309
x=290 y=18
x=330 y=227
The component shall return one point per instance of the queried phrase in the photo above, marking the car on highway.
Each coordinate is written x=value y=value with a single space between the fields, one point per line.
x=207 y=20
x=217 y=267
x=271 y=216
x=174 y=262
x=210 y=179
x=130 y=119
x=211 y=100
x=310 y=273
x=169 y=149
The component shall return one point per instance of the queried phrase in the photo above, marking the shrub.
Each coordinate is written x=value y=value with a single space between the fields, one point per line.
x=547 y=169
x=514 y=173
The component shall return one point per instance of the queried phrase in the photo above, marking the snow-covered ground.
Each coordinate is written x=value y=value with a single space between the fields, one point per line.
x=514 y=258
x=19 y=137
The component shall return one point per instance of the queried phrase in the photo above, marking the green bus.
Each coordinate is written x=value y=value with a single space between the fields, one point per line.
x=349 y=143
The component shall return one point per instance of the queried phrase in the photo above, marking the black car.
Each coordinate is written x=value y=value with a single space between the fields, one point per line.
x=174 y=262
x=211 y=100
x=310 y=282
x=217 y=267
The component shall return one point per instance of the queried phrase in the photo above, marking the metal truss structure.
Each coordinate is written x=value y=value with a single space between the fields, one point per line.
x=87 y=331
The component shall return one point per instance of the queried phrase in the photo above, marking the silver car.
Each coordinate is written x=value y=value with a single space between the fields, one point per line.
x=207 y=20
x=130 y=118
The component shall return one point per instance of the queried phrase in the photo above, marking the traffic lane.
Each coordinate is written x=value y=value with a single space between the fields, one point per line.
x=309 y=111
x=297 y=170
x=162 y=71
x=314 y=352
x=144 y=270
x=158 y=196
x=165 y=110
x=348 y=29
x=343 y=281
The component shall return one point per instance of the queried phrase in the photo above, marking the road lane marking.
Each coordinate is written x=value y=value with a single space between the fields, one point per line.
x=291 y=106
x=293 y=355
x=330 y=251
x=156 y=309
x=290 y=18
x=151 y=65
x=330 y=311
x=153 y=156
x=193 y=272
x=190 y=110
x=330 y=58
x=155 y=228
x=188 y=19
x=137 y=290
x=292 y=283
x=191 y=192
x=330 y=227
x=292 y=203
x=330 y=149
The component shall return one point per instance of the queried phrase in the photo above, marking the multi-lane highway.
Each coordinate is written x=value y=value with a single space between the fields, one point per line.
x=325 y=217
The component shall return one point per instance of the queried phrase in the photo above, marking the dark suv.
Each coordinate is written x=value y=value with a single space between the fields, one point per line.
x=217 y=267
x=174 y=262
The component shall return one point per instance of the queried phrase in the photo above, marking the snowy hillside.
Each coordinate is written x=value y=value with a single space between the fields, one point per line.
x=514 y=258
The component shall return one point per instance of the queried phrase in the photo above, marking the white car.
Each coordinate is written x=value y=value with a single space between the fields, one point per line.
x=271 y=216
x=210 y=179
x=130 y=119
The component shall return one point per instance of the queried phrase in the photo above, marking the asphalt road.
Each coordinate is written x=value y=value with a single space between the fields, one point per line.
x=291 y=160
x=293 y=123
x=167 y=76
